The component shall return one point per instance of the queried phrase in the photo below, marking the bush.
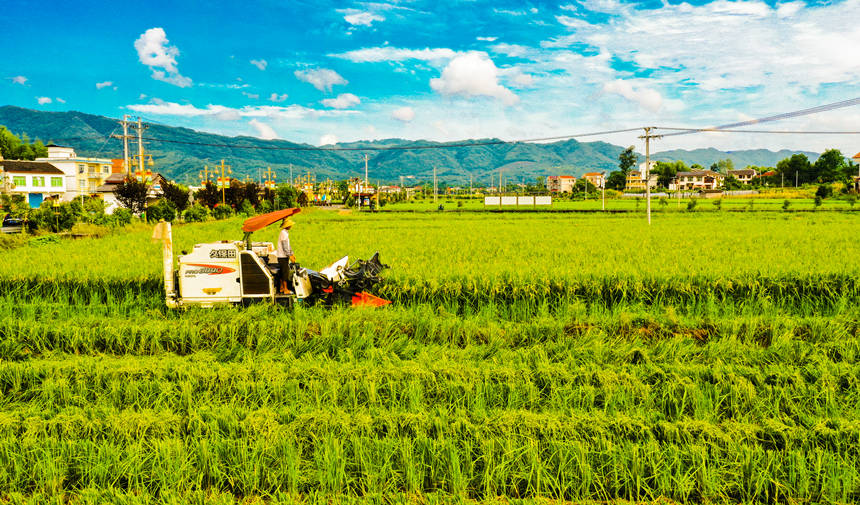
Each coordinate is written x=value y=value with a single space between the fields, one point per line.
x=718 y=203
x=196 y=214
x=55 y=219
x=162 y=209
x=691 y=205
x=222 y=211
x=121 y=217
x=824 y=191
x=246 y=209
x=785 y=204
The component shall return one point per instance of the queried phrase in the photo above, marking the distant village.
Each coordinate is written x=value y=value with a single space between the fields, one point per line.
x=62 y=175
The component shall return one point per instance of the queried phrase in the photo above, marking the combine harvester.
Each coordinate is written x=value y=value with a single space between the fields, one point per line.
x=245 y=272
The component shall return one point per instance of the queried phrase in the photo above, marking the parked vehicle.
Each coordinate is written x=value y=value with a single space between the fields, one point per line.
x=12 y=224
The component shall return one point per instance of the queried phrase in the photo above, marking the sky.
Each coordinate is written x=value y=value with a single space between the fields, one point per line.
x=321 y=73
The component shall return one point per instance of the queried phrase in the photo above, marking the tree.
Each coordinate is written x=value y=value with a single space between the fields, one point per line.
x=131 y=194
x=830 y=166
x=627 y=160
x=14 y=148
x=286 y=197
x=616 y=180
x=666 y=172
x=251 y=193
x=732 y=183
x=208 y=195
x=723 y=166
x=175 y=194
x=796 y=166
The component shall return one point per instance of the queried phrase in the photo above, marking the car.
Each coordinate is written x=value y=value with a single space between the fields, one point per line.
x=12 y=224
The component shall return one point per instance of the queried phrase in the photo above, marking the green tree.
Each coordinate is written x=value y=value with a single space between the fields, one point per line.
x=14 y=148
x=208 y=195
x=666 y=171
x=175 y=194
x=131 y=194
x=797 y=165
x=616 y=180
x=627 y=160
x=731 y=183
x=723 y=166
x=286 y=196
x=829 y=167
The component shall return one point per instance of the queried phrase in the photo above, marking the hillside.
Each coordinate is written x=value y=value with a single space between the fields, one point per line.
x=186 y=151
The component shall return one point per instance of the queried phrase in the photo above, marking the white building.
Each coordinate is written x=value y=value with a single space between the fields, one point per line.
x=82 y=175
x=595 y=178
x=35 y=180
x=560 y=183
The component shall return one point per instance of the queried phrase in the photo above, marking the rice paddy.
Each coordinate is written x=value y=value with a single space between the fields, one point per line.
x=712 y=358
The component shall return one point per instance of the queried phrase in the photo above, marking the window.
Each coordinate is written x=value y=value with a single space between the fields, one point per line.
x=56 y=182
x=82 y=169
x=106 y=169
x=38 y=181
x=82 y=184
x=19 y=180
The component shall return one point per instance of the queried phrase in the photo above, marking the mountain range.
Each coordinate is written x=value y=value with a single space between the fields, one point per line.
x=180 y=153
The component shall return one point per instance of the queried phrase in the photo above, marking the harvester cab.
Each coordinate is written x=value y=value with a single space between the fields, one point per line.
x=246 y=272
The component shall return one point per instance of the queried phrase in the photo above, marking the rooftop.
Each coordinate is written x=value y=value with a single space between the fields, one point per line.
x=29 y=167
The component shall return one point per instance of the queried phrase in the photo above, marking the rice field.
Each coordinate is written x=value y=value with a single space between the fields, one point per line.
x=527 y=358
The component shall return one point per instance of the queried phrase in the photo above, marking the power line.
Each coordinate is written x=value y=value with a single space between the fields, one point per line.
x=786 y=115
x=777 y=132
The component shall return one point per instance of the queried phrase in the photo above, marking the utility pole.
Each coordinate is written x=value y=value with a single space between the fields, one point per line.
x=603 y=189
x=125 y=136
x=140 y=128
x=366 y=184
x=435 y=190
x=500 y=189
x=222 y=180
x=470 y=187
x=795 y=178
x=648 y=138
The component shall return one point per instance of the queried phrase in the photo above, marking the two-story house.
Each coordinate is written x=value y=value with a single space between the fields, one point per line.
x=83 y=176
x=744 y=176
x=35 y=180
x=560 y=183
x=699 y=179
x=595 y=178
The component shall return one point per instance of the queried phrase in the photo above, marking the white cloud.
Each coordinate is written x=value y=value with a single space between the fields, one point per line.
x=18 y=79
x=512 y=50
x=105 y=84
x=142 y=96
x=405 y=114
x=153 y=51
x=321 y=78
x=261 y=63
x=360 y=18
x=473 y=74
x=264 y=131
x=60 y=100
x=43 y=100
x=385 y=53
x=518 y=78
x=343 y=101
x=487 y=39
x=647 y=98
x=274 y=97
x=328 y=139
x=252 y=96
x=162 y=108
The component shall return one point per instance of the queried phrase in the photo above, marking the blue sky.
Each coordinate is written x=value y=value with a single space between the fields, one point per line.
x=321 y=72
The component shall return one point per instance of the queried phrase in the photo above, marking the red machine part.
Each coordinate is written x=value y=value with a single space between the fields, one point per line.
x=363 y=299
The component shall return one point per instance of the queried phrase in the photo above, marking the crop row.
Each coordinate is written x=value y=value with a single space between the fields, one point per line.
x=803 y=292
x=518 y=455
x=656 y=392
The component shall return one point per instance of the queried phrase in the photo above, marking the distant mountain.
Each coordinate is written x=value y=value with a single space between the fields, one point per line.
x=181 y=153
x=741 y=159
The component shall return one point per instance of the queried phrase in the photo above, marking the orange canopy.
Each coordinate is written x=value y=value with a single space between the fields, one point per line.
x=259 y=222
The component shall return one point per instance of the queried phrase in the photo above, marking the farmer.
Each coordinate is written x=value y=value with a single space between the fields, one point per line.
x=285 y=253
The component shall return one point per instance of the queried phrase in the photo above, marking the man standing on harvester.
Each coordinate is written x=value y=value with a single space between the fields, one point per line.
x=285 y=253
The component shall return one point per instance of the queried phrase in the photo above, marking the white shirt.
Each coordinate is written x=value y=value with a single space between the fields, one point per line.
x=284 y=250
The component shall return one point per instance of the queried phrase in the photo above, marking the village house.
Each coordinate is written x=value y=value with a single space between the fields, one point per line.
x=699 y=179
x=82 y=175
x=595 y=178
x=107 y=191
x=560 y=183
x=37 y=181
x=636 y=181
x=744 y=176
